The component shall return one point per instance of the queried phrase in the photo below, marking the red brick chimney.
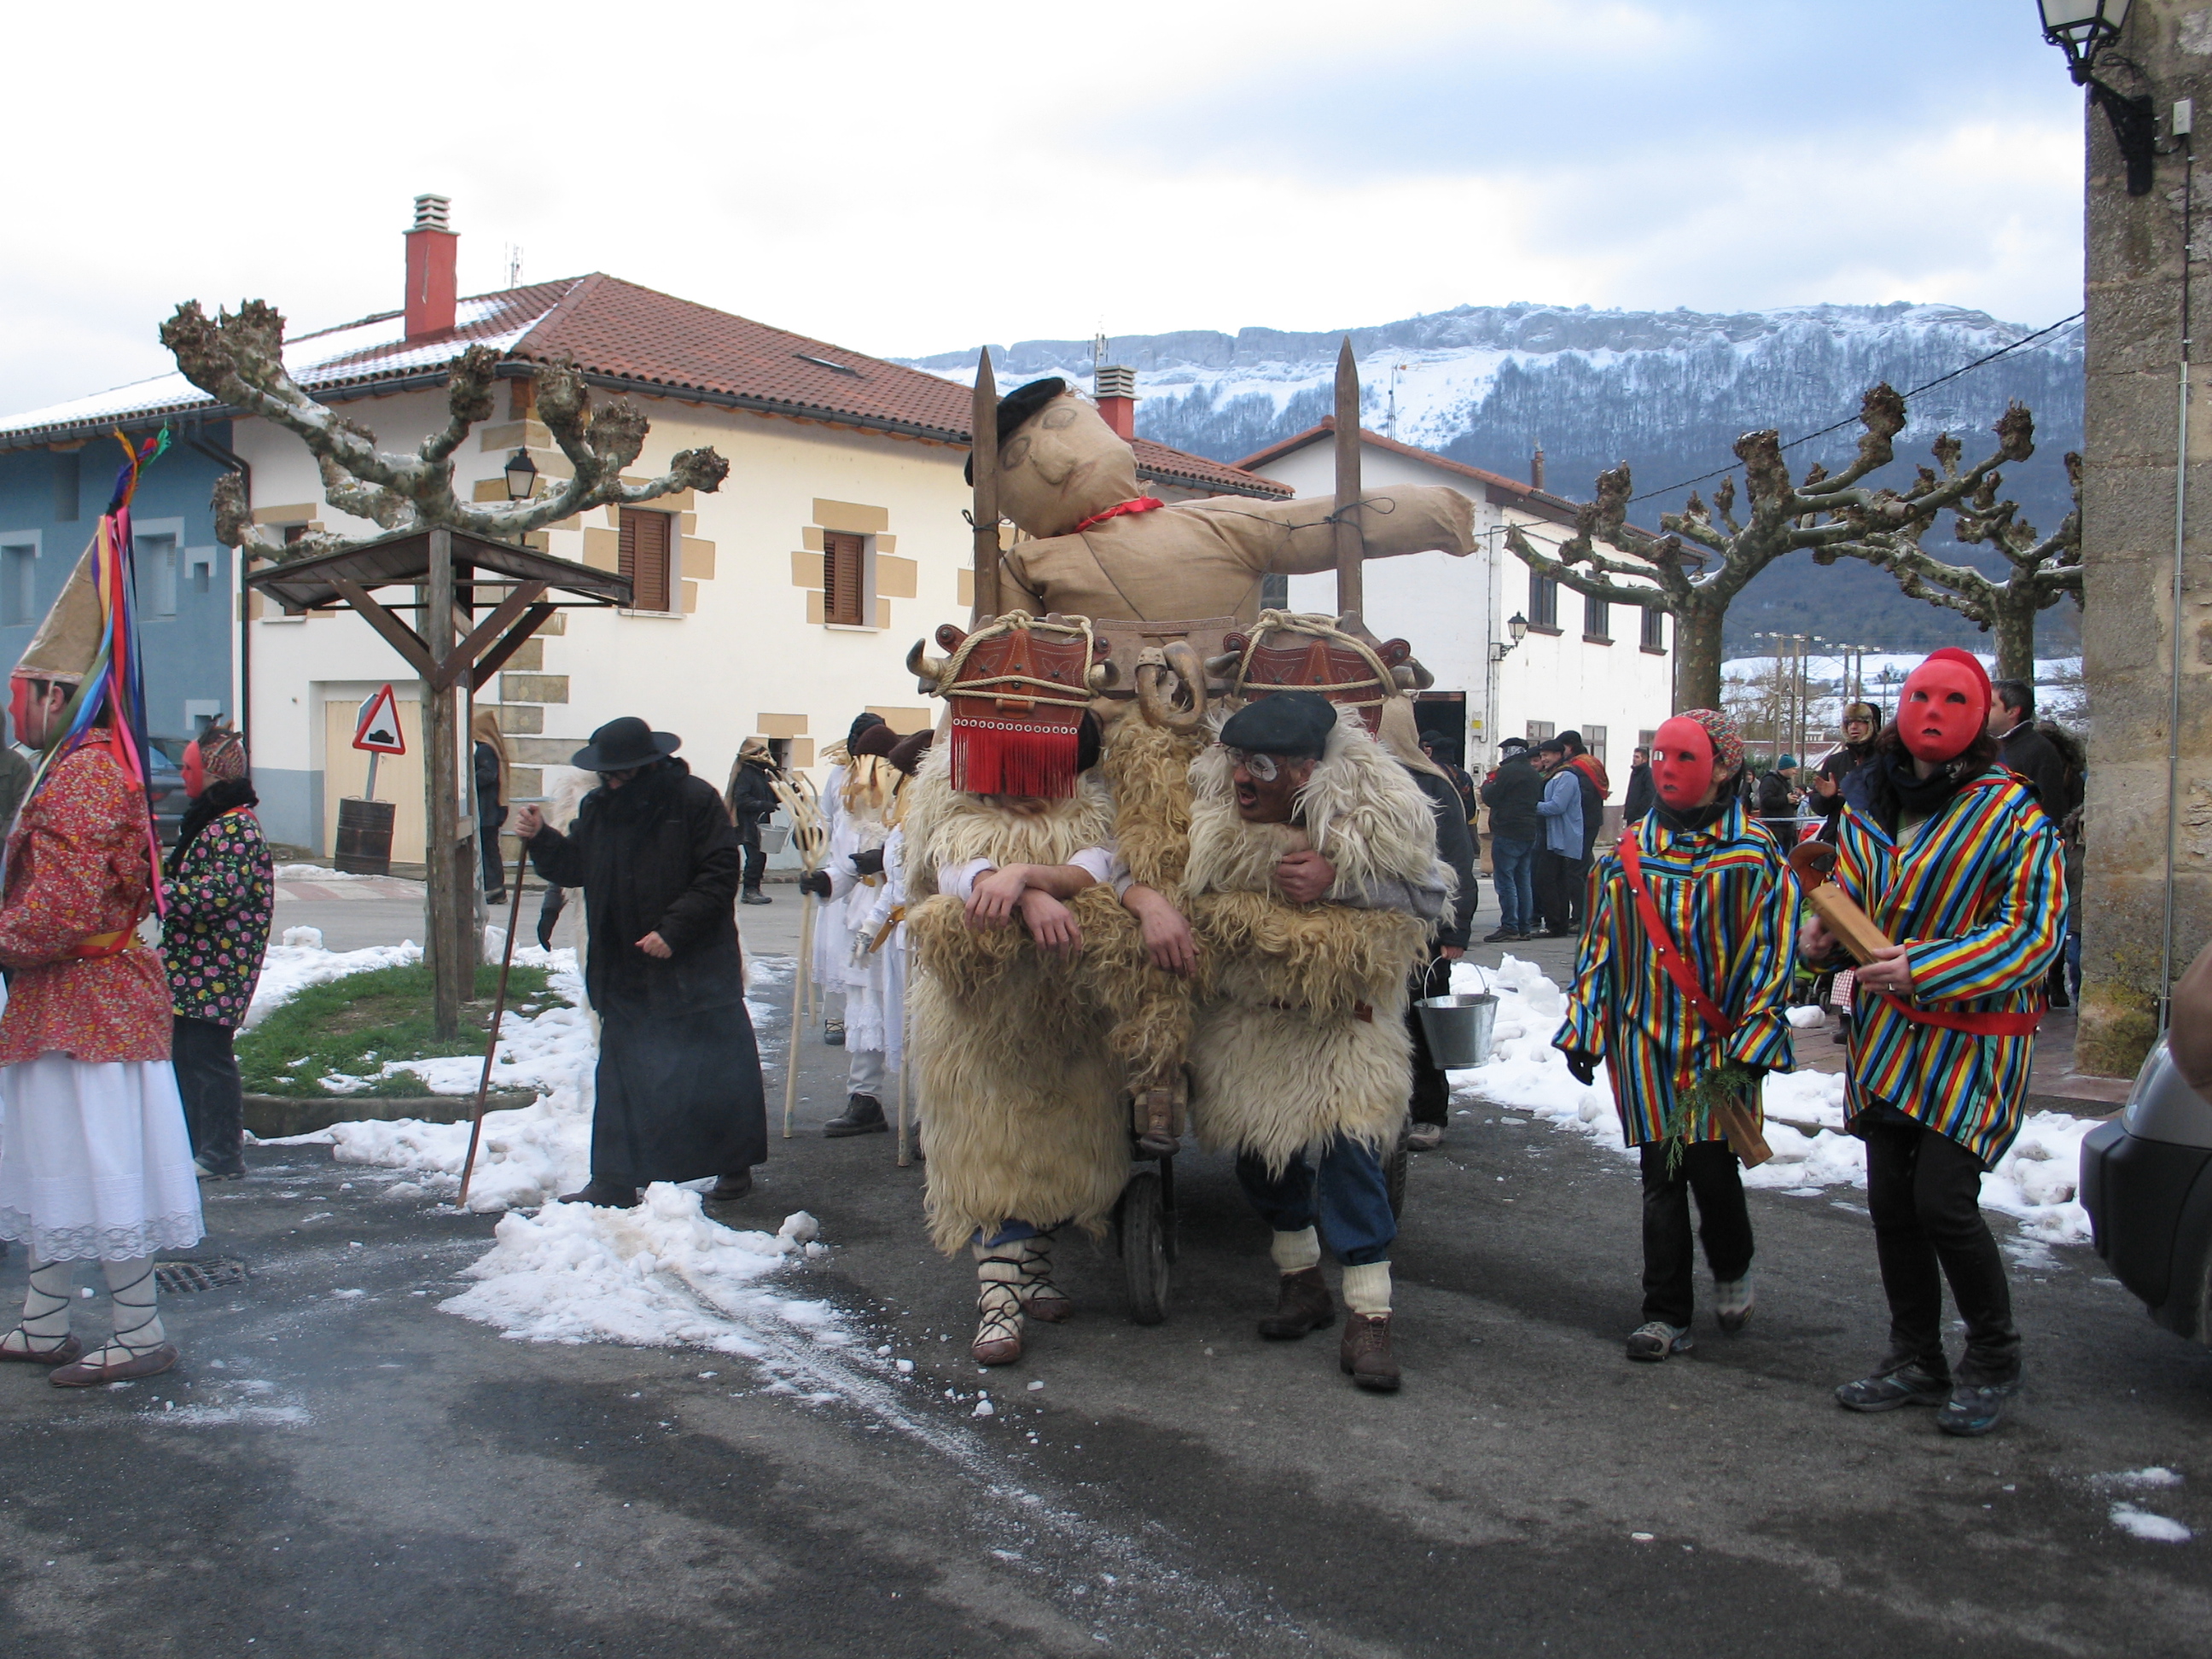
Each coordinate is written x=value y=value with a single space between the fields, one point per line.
x=1117 y=387
x=1536 y=467
x=430 y=257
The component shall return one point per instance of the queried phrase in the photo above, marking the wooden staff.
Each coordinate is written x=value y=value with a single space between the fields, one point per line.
x=1350 y=543
x=906 y=1042
x=498 y=1011
x=984 y=426
x=812 y=837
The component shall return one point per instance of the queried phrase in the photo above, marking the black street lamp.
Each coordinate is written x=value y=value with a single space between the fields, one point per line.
x=521 y=475
x=1517 y=626
x=2081 y=29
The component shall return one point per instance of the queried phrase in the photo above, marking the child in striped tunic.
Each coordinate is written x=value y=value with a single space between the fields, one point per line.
x=1687 y=1023
x=1950 y=855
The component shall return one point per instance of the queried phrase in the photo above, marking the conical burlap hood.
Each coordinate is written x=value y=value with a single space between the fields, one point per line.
x=69 y=639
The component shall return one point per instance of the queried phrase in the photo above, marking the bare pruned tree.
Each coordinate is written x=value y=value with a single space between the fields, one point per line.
x=1695 y=570
x=239 y=360
x=2045 y=568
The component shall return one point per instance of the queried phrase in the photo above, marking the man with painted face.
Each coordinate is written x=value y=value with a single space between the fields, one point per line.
x=1951 y=856
x=1682 y=987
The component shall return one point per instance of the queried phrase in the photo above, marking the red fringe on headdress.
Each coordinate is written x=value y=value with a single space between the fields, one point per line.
x=1008 y=757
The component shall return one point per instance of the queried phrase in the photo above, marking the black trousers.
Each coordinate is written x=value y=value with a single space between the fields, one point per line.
x=1431 y=1095
x=1708 y=1168
x=494 y=875
x=755 y=860
x=214 y=1103
x=1559 y=889
x=1924 y=1190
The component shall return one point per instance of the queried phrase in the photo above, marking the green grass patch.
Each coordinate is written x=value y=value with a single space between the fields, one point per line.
x=356 y=1023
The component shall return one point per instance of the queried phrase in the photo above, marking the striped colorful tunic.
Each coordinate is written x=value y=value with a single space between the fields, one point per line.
x=1726 y=895
x=1977 y=893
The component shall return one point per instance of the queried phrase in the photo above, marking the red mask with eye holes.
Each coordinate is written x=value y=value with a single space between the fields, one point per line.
x=1682 y=763
x=1944 y=707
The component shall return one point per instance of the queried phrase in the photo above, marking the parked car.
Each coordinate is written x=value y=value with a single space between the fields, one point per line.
x=2147 y=1183
x=165 y=785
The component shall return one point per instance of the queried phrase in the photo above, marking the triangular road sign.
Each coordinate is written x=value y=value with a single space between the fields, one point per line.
x=379 y=730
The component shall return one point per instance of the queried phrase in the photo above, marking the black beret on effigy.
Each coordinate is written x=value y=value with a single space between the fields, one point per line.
x=1018 y=405
x=1294 y=723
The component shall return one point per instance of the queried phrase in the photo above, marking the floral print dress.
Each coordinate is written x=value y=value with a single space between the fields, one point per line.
x=221 y=902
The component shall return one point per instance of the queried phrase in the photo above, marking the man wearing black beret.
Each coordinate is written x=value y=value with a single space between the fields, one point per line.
x=1314 y=885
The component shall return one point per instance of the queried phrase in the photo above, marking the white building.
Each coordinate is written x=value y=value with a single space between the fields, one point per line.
x=1606 y=672
x=783 y=604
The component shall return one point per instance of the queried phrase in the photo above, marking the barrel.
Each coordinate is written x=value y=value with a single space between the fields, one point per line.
x=364 y=847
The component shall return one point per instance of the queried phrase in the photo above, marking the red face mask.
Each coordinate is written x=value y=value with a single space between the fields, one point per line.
x=1941 y=712
x=1682 y=763
x=195 y=770
x=19 y=708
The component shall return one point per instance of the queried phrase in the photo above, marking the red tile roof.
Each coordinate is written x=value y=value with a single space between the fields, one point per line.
x=633 y=338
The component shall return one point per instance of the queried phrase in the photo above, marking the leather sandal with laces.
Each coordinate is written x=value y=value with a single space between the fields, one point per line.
x=998 y=1305
x=19 y=1346
x=1041 y=1298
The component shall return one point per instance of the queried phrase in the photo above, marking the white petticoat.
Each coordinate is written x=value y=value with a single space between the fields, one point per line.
x=95 y=1164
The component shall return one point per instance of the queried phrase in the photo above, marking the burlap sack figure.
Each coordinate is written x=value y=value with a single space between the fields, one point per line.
x=1063 y=473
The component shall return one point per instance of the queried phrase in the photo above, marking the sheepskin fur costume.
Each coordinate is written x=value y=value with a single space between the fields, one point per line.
x=1280 y=1053
x=1022 y=1095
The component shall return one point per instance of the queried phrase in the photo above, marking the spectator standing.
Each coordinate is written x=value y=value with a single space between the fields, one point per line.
x=1511 y=794
x=491 y=775
x=221 y=894
x=1595 y=787
x=1560 y=864
x=2026 y=750
x=678 y=1084
x=1462 y=781
x=752 y=800
x=1778 y=801
x=1641 y=794
x=1861 y=722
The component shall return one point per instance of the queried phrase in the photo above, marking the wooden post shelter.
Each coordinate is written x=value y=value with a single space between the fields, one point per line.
x=455 y=577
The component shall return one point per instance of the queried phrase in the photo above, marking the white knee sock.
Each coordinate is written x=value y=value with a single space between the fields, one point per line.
x=45 y=1308
x=134 y=1298
x=1367 y=1289
x=1295 y=1252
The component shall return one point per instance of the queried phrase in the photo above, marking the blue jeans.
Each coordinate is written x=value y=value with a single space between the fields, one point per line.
x=1511 y=864
x=1350 y=1202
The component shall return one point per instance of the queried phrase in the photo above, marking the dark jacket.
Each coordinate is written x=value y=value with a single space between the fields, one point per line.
x=1840 y=763
x=1641 y=794
x=2036 y=758
x=658 y=855
x=1775 y=805
x=491 y=810
x=1511 y=795
x=751 y=798
x=1455 y=847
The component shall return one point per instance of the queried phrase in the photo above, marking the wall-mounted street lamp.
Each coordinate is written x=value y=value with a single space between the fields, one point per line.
x=1517 y=626
x=2082 y=29
x=521 y=475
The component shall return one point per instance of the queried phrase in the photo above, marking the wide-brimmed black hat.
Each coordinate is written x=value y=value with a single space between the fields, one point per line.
x=622 y=746
x=1017 y=406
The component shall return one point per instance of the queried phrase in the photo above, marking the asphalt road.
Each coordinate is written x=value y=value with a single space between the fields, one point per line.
x=334 y=1473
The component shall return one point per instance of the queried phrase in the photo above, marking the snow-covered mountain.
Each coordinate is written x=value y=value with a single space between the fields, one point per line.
x=1668 y=391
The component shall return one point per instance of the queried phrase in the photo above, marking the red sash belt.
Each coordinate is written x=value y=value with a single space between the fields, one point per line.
x=2017 y=1022
x=1662 y=943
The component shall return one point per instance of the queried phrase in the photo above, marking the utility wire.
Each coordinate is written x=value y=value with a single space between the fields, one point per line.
x=2026 y=339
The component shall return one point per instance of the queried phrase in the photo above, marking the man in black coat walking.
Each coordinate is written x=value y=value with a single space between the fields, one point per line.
x=679 y=1093
x=1642 y=793
x=752 y=800
x=2026 y=750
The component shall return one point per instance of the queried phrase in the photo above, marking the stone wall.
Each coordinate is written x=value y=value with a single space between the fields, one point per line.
x=2133 y=353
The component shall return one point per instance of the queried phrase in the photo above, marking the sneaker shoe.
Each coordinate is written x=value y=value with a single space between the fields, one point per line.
x=1656 y=1340
x=1424 y=1137
x=1909 y=1384
x=1732 y=1300
x=1974 y=1409
x=863 y=1116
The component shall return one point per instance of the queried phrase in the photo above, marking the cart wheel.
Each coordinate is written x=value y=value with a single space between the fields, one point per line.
x=1145 y=1247
x=1393 y=1174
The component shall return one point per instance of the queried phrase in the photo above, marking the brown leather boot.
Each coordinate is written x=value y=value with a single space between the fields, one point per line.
x=1303 y=1303
x=1365 y=1354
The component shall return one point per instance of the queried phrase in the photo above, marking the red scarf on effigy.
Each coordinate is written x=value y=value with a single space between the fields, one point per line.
x=1142 y=504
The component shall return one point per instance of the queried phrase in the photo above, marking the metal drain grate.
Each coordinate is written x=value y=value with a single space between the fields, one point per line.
x=178 y=1277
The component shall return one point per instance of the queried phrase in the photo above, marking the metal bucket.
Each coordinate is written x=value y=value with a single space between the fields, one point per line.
x=774 y=835
x=1458 y=1028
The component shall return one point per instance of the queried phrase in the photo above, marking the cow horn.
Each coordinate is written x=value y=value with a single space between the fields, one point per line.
x=928 y=672
x=1183 y=657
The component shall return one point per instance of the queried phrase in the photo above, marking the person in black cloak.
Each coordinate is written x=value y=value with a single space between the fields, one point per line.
x=679 y=1093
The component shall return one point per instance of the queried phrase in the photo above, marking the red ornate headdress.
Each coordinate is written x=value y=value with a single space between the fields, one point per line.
x=1018 y=688
x=1288 y=651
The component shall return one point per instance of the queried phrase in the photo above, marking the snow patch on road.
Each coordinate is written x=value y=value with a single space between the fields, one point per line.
x=2035 y=1182
x=2152 y=1529
x=661 y=1275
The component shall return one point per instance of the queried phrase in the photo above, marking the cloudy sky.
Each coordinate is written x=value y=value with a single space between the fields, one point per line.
x=905 y=178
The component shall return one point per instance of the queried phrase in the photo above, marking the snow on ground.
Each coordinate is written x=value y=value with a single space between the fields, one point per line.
x=2152 y=1529
x=2034 y=1184
x=661 y=1274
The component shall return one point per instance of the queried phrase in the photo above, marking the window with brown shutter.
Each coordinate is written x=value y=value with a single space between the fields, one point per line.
x=644 y=557
x=842 y=559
